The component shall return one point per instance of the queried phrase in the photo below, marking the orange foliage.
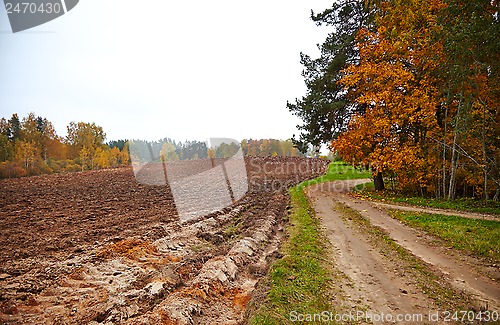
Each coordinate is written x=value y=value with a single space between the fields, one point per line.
x=392 y=82
x=435 y=134
x=32 y=147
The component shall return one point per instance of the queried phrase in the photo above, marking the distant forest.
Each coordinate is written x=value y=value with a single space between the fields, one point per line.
x=172 y=150
x=30 y=146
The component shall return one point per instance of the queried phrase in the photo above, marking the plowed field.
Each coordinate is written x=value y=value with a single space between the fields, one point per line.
x=98 y=247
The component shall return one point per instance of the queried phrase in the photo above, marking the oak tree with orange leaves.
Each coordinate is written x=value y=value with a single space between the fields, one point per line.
x=394 y=82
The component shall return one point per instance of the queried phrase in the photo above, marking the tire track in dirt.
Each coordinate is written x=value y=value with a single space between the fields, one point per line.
x=460 y=271
x=373 y=286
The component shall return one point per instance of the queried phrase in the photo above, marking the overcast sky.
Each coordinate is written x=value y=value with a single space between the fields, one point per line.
x=157 y=68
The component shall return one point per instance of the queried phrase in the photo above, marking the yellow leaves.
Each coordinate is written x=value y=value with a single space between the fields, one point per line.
x=393 y=81
x=26 y=151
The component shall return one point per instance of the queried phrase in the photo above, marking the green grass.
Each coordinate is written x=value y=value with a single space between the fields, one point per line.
x=338 y=171
x=301 y=280
x=365 y=187
x=431 y=284
x=232 y=231
x=476 y=236
x=462 y=204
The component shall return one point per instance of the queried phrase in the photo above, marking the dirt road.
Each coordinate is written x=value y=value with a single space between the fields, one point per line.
x=375 y=279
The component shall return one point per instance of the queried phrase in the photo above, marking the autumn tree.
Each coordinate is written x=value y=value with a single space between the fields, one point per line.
x=391 y=81
x=287 y=148
x=27 y=153
x=26 y=142
x=84 y=140
x=40 y=132
x=325 y=110
x=269 y=147
x=4 y=127
x=428 y=80
x=30 y=146
x=168 y=152
x=470 y=80
x=106 y=157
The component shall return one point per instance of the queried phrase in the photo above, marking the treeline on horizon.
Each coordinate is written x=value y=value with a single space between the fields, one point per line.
x=411 y=89
x=30 y=146
x=172 y=150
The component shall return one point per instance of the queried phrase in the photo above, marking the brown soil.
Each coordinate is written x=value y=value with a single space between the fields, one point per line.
x=378 y=283
x=98 y=247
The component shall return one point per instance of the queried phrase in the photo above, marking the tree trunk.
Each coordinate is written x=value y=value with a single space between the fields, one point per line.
x=485 y=154
x=486 y=196
x=453 y=173
x=454 y=155
x=444 y=152
x=378 y=182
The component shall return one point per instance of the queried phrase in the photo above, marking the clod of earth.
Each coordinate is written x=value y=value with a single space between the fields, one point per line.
x=97 y=247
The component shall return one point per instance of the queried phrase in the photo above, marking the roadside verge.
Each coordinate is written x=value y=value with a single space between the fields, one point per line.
x=300 y=282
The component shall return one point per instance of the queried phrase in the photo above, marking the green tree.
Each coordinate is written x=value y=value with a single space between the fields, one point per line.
x=14 y=127
x=6 y=148
x=225 y=150
x=120 y=144
x=4 y=127
x=324 y=110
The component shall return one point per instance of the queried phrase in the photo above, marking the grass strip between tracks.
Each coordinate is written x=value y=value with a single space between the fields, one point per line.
x=301 y=281
x=460 y=204
x=476 y=236
x=433 y=285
